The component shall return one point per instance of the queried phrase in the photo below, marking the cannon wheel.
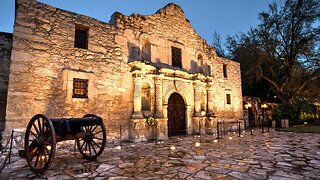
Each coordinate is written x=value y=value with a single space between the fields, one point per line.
x=94 y=142
x=40 y=143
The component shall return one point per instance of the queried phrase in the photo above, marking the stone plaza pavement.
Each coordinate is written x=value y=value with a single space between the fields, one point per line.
x=273 y=155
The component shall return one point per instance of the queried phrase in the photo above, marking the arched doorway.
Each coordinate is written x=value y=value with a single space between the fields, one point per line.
x=176 y=115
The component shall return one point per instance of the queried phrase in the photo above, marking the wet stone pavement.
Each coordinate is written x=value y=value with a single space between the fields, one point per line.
x=273 y=155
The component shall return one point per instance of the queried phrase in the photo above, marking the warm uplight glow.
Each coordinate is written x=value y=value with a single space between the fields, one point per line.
x=264 y=106
x=119 y=147
x=249 y=105
x=215 y=141
x=203 y=113
x=243 y=131
x=43 y=158
x=172 y=147
x=132 y=145
x=230 y=138
x=197 y=144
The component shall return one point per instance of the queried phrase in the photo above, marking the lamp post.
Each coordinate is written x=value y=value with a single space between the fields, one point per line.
x=263 y=107
x=249 y=106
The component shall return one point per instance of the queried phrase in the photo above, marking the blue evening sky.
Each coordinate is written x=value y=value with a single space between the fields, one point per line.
x=227 y=17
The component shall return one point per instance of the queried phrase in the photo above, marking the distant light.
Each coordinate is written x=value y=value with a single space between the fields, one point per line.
x=197 y=144
x=132 y=145
x=241 y=135
x=243 y=131
x=228 y=132
x=43 y=158
x=230 y=138
x=119 y=147
x=234 y=132
x=172 y=147
x=215 y=141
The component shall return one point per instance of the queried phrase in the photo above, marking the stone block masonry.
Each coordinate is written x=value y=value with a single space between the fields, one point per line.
x=45 y=61
x=5 y=55
x=65 y=64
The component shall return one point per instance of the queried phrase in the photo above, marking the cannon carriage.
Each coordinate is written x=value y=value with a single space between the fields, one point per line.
x=43 y=133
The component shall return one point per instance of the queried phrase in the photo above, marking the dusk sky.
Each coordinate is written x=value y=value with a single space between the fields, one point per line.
x=227 y=17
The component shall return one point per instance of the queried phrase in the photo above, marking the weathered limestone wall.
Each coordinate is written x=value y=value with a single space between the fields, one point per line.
x=5 y=53
x=44 y=62
x=227 y=85
x=169 y=27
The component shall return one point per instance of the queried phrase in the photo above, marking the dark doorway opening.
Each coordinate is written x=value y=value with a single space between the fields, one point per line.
x=176 y=115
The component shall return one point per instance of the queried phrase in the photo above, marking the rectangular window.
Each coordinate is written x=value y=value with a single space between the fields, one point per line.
x=176 y=57
x=81 y=37
x=80 y=88
x=228 y=96
x=225 y=72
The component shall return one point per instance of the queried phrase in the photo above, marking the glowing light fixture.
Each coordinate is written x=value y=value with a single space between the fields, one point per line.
x=197 y=144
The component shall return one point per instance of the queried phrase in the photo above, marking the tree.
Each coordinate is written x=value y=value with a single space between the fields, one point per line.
x=217 y=44
x=283 y=50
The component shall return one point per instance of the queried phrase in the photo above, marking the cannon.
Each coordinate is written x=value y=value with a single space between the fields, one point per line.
x=43 y=133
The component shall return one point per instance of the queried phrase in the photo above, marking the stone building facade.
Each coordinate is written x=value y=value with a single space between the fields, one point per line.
x=65 y=64
x=5 y=53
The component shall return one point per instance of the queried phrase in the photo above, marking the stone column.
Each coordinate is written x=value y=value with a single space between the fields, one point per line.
x=189 y=115
x=158 y=97
x=209 y=98
x=197 y=103
x=137 y=114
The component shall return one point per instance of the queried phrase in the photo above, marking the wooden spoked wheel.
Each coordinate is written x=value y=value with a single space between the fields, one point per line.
x=40 y=143
x=93 y=143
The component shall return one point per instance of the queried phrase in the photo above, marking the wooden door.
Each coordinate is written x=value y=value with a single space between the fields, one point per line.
x=176 y=115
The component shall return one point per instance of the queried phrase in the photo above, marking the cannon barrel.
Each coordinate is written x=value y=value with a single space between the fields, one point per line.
x=87 y=121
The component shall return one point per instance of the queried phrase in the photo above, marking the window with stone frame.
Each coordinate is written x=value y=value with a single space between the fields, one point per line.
x=80 y=88
x=228 y=96
x=81 y=37
x=176 y=57
x=146 y=50
x=225 y=71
